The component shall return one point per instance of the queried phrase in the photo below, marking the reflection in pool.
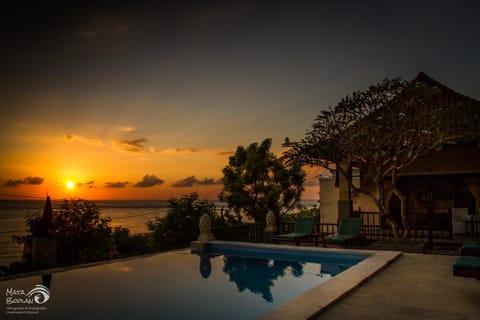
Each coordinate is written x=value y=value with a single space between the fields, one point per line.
x=259 y=275
x=174 y=285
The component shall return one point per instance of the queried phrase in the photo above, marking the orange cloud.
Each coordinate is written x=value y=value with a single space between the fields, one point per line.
x=149 y=181
x=226 y=153
x=27 y=180
x=191 y=181
x=118 y=184
x=93 y=141
x=134 y=146
x=128 y=129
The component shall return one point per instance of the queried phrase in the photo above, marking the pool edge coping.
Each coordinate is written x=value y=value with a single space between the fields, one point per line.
x=317 y=299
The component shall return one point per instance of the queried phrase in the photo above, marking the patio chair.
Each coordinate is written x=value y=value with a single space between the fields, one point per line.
x=348 y=232
x=303 y=230
x=470 y=248
x=467 y=266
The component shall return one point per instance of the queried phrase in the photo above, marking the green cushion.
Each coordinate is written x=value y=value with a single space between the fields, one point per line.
x=303 y=228
x=293 y=235
x=471 y=245
x=467 y=262
x=339 y=237
x=304 y=225
x=349 y=227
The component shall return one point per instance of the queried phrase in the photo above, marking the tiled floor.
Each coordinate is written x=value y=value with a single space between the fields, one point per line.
x=415 y=286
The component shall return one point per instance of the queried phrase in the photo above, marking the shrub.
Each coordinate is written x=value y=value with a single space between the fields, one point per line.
x=180 y=226
x=313 y=212
x=127 y=244
x=82 y=235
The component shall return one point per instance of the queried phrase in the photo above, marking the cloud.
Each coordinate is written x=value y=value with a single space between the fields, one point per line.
x=88 y=184
x=191 y=181
x=134 y=146
x=128 y=129
x=13 y=183
x=149 y=181
x=105 y=26
x=73 y=137
x=33 y=180
x=117 y=184
x=27 y=181
x=191 y=150
x=187 y=182
x=225 y=153
x=177 y=150
x=206 y=182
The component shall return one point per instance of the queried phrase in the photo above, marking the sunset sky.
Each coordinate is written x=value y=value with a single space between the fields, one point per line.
x=148 y=100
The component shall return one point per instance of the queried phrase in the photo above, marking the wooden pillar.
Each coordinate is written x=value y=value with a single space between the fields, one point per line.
x=345 y=196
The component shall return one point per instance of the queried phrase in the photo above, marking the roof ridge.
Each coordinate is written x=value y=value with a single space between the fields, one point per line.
x=425 y=79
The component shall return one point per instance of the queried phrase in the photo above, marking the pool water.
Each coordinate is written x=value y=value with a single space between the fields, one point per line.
x=225 y=282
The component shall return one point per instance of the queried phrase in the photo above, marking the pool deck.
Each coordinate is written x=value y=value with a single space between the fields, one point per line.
x=323 y=296
x=415 y=286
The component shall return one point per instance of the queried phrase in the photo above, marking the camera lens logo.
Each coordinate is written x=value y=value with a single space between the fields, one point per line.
x=40 y=294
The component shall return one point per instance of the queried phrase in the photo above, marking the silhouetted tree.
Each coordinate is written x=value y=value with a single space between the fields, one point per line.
x=256 y=182
x=180 y=226
x=257 y=275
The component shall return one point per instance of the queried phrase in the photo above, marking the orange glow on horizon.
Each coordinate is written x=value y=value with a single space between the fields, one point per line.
x=95 y=169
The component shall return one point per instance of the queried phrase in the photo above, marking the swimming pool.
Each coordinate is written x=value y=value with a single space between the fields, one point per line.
x=230 y=280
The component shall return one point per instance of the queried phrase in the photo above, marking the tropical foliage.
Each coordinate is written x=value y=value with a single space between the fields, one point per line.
x=180 y=226
x=82 y=235
x=313 y=212
x=256 y=182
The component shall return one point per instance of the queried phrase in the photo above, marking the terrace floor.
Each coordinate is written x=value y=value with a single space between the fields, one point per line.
x=415 y=286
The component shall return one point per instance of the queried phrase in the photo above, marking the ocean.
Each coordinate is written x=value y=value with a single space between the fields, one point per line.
x=131 y=214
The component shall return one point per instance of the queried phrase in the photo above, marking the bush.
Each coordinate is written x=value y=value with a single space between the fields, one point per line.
x=180 y=226
x=127 y=244
x=82 y=235
x=313 y=212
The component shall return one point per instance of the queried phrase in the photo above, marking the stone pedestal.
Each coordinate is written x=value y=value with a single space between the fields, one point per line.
x=270 y=223
x=205 y=226
x=270 y=227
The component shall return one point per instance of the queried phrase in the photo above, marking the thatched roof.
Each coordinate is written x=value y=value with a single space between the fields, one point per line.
x=444 y=95
x=424 y=97
x=462 y=112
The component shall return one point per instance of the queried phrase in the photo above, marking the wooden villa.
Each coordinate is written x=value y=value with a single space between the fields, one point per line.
x=447 y=179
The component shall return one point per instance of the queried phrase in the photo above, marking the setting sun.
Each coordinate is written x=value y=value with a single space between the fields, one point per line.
x=70 y=185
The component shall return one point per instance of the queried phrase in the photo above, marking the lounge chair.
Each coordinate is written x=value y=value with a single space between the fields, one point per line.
x=348 y=232
x=467 y=266
x=470 y=248
x=303 y=230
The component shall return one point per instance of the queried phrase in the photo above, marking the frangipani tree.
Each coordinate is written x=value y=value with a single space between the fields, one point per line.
x=385 y=129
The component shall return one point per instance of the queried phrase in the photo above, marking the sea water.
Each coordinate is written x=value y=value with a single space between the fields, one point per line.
x=131 y=214
x=127 y=213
